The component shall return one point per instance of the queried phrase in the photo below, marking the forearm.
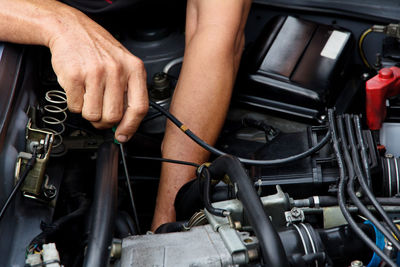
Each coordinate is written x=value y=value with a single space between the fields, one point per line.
x=31 y=21
x=203 y=93
x=201 y=100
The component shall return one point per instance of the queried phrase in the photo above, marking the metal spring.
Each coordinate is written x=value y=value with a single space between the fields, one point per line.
x=56 y=115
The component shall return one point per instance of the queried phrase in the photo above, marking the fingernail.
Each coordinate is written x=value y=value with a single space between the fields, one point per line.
x=122 y=138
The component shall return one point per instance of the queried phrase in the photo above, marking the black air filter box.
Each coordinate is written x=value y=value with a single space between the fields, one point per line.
x=296 y=67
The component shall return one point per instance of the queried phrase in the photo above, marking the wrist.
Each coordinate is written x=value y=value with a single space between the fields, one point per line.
x=59 y=23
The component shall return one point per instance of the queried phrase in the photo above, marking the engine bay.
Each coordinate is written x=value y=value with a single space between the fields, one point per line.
x=305 y=171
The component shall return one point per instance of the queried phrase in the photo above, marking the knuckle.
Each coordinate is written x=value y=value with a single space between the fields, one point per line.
x=96 y=69
x=92 y=116
x=74 y=108
x=75 y=77
x=114 y=67
x=112 y=117
x=140 y=110
x=138 y=65
x=101 y=125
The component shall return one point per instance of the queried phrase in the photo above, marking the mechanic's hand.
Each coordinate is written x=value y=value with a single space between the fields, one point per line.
x=98 y=74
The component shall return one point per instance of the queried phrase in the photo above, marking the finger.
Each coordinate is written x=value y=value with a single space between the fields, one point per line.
x=93 y=98
x=102 y=125
x=113 y=100
x=74 y=90
x=137 y=106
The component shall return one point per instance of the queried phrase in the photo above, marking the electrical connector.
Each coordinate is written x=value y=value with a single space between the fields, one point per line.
x=392 y=30
x=33 y=260
x=50 y=255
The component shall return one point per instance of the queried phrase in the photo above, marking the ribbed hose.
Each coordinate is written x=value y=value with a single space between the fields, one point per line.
x=271 y=246
x=104 y=207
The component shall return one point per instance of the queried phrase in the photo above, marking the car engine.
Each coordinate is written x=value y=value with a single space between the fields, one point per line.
x=305 y=171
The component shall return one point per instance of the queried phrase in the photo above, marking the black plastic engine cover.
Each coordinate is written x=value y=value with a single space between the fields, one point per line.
x=296 y=67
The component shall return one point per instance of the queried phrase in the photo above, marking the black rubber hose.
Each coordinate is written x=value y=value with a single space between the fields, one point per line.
x=204 y=173
x=271 y=246
x=350 y=190
x=362 y=180
x=104 y=207
x=341 y=192
x=364 y=156
x=215 y=151
x=350 y=186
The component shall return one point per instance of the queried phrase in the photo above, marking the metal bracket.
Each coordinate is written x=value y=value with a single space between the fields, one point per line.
x=42 y=141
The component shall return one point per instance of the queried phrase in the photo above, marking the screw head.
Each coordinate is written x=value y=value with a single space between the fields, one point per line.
x=295 y=212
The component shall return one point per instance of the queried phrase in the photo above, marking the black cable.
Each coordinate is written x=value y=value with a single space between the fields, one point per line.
x=165 y=160
x=361 y=177
x=218 y=152
x=341 y=194
x=152 y=116
x=352 y=175
x=128 y=184
x=28 y=167
x=49 y=230
x=364 y=156
x=204 y=173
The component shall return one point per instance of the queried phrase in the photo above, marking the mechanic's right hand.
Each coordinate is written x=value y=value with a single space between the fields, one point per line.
x=98 y=74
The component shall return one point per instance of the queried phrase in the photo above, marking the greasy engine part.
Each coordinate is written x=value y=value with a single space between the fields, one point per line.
x=201 y=247
x=104 y=207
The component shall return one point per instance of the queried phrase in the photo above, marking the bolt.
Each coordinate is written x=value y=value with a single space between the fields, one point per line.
x=322 y=117
x=359 y=194
x=357 y=263
x=253 y=254
x=295 y=212
x=116 y=249
x=238 y=225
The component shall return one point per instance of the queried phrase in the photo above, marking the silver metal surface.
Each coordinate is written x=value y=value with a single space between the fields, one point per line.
x=276 y=205
x=228 y=234
x=200 y=247
x=333 y=217
x=294 y=215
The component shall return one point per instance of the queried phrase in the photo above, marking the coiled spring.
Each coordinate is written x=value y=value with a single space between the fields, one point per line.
x=55 y=114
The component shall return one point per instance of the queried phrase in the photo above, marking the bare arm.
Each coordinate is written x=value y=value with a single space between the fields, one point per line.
x=214 y=43
x=94 y=69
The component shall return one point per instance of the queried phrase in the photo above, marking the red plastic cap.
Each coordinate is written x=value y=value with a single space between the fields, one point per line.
x=379 y=88
x=386 y=73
